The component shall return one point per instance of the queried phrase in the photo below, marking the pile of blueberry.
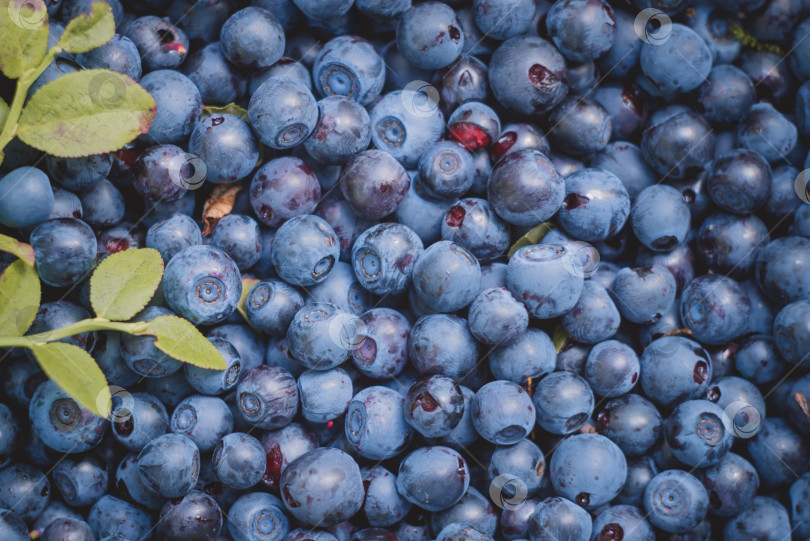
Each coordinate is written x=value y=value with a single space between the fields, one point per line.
x=508 y=270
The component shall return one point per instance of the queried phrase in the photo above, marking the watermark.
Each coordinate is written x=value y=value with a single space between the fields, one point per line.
x=122 y=405
x=581 y=259
x=27 y=14
x=347 y=330
x=802 y=185
x=508 y=491
x=191 y=173
x=107 y=90
x=653 y=26
x=420 y=98
x=742 y=419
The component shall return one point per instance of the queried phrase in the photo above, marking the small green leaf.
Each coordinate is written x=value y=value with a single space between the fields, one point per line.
x=77 y=373
x=20 y=249
x=3 y=115
x=559 y=337
x=181 y=340
x=533 y=236
x=23 y=36
x=20 y=292
x=247 y=285
x=124 y=282
x=230 y=109
x=86 y=112
x=86 y=32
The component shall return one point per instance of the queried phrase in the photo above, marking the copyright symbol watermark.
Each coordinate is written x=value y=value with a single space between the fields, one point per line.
x=581 y=259
x=27 y=14
x=802 y=185
x=191 y=173
x=507 y=491
x=121 y=406
x=420 y=98
x=653 y=26
x=347 y=331
x=742 y=419
x=107 y=90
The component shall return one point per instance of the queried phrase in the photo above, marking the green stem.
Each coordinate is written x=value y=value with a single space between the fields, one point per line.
x=83 y=326
x=20 y=94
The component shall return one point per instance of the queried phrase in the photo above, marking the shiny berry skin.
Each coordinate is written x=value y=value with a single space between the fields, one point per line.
x=525 y=188
x=170 y=465
x=172 y=234
x=405 y=124
x=445 y=171
x=256 y=516
x=474 y=125
x=664 y=62
x=782 y=269
x=740 y=181
x=561 y=519
x=239 y=460
x=204 y=419
x=583 y=30
x=588 y=469
x=267 y=397
x=26 y=490
x=322 y=487
x=580 y=126
x=715 y=308
x=496 y=317
x=545 y=278
x=675 y=501
x=62 y=423
x=530 y=354
x=375 y=425
x=374 y=184
x=660 y=218
x=305 y=249
x=500 y=19
x=563 y=401
x=643 y=294
x=195 y=516
x=678 y=143
x=26 y=197
x=283 y=112
x=674 y=369
x=383 y=505
x=283 y=188
x=726 y=94
x=383 y=351
x=271 y=306
x=252 y=38
x=179 y=104
x=612 y=368
x=321 y=335
x=446 y=276
x=765 y=130
x=161 y=44
x=502 y=412
x=219 y=82
x=516 y=137
x=618 y=521
x=433 y=478
x=632 y=422
x=343 y=130
x=163 y=173
x=325 y=394
x=349 y=66
x=282 y=447
x=138 y=419
x=731 y=484
x=65 y=251
x=442 y=344
x=384 y=256
x=528 y=75
x=434 y=406
x=594 y=317
x=226 y=145
x=696 y=433
x=472 y=224
x=596 y=205
x=238 y=236
x=791 y=330
x=429 y=35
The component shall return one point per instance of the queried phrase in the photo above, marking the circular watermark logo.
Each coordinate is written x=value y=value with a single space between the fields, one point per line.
x=581 y=258
x=121 y=406
x=742 y=419
x=420 y=98
x=191 y=173
x=347 y=330
x=107 y=90
x=27 y=14
x=802 y=185
x=508 y=491
x=653 y=26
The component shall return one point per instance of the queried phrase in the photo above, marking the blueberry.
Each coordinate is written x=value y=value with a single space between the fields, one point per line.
x=472 y=224
x=672 y=70
x=257 y=515
x=267 y=397
x=383 y=506
x=51 y=316
x=194 y=516
x=239 y=460
x=171 y=235
x=305 y=249
x=596 y=205
x=138 y=419
x=429 y=35
x=628 y=110
x=726 y=94
x=643 y=294
x=781 y=269
x=740 y=181
x=445 y=171
x=170 y=465
x=525 y=188
x=271 y=306
x=283 y=112
x=349 y=66
x=163 y=173
x=62 y=423
x=495 y=316
x=66 y=205
x=406 y=123
x=559 y=518
x=589 y=469
x=67 y=529
x=218 y=81
x=582 y=30
x=26 y=198
x=715 y=308
x=696 y=433
x=516 y=137
x=673 y=369
x=473 y=511
x=546 y=279
x=765 y=130
x=530 y=354
x=580 y=126
x=325 y=394
x=766 y=519
x=322 y=487
x=678 y=143
x=321 y=335
x=26 y=491
x=503 y=412
x=283 y=188
x=798 y=510
x=384 y=257
x=791 y=331
x=120 y=54
x=433 y=478
x=204 y=419
x=503 y=19
x=140 y=352
x=282 y=447
x=383 y=351
x=623 y=522
x=563 y=401
x=778 y=452
x=343 y=129
x=110 y=516
x=252 y=38
x=227 y=147
x=528 y=75
x=675 y=501
x=375 y=424
x=731 y=484
x=238 y=236
x=446 y=276
x=65 y=251
x=632 y=422
x=758 y=360
x=342 y=289
x=594 y=317
x=179 y=104
x=612 y=368
x=660 y=218
x=130 y=485
x=434 y=406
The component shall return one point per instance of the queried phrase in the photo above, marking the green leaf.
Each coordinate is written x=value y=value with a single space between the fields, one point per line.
x=20 y=292
x=77 y=373
x=533 y=236
x=3 y=115
x=559 y=336
x=20 y=249
x=124 y=282
x=181 y=340
x=86 y=112
x=23 y=36
x=86 y=32
x=247 y=285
